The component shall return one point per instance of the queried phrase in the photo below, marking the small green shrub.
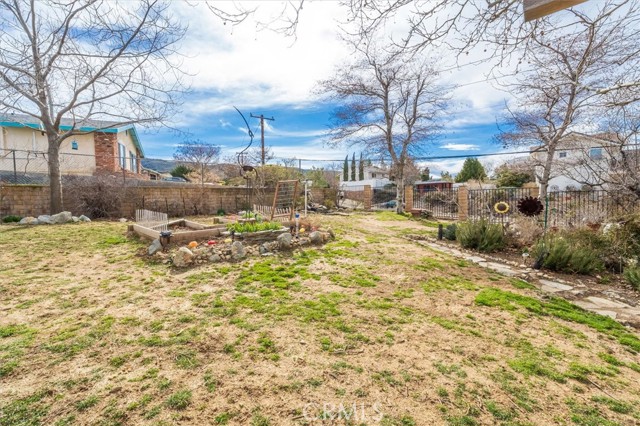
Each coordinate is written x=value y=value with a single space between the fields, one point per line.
x=480 y=235
x=11 y=219
x=568 y=255
x=253 y=226
x=633 y=276
x=220 y=212
x=450 y=232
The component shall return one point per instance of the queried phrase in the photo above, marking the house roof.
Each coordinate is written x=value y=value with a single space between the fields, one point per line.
x=88 y=126
x=604 y=139
x=431 y=182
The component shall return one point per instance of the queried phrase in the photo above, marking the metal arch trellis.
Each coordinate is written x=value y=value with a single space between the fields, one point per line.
x=247 y=171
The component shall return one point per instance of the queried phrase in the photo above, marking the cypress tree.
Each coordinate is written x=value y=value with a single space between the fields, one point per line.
x=361 y=168
x=353 y=167
x=345 y=169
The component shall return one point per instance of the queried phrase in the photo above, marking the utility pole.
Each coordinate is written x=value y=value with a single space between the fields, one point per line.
x=262 y=118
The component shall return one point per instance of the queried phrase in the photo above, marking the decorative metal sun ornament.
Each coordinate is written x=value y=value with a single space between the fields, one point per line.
x=530 y=206
x=501 y=207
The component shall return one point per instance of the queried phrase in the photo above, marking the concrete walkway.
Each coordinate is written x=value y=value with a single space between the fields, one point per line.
x=607 y=302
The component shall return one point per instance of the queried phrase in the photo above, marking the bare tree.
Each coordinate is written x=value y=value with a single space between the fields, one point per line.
x=85 y=62
x=390 y=104
x=571 y=76
x=197 y=154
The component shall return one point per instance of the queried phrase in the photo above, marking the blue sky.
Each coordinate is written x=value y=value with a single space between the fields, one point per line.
x=262 y=72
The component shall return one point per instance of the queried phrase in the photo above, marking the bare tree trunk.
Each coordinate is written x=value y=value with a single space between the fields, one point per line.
x=55 y=177
x=546 y=173
x=400 y=190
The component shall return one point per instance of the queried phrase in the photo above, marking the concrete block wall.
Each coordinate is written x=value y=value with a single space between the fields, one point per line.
x=176 y=200
x=24 y=200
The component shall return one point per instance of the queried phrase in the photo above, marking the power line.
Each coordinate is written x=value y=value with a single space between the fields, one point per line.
x=447 y=157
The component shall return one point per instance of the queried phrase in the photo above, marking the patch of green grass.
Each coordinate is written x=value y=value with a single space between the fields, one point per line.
x=118 y=361
x=179 y=400
x=210 y=382
x=428 y=264
x=558 y=308
x=87 y=403
x=386 y=216
x=614 y=404
x=453 y=325
x=585 y=415
x=27 y=411
x=532 y=362
x=448 y=283
x=499 y=412
x=259 y=420
x=222 y=419
x=397 y=421
x=521 y=284
x=360 y=277
x=186 y=359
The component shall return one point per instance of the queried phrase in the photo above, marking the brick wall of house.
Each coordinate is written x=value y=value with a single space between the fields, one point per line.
x=175 y=199
x=106 y=145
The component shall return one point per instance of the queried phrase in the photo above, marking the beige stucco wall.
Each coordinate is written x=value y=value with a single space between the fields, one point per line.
x=30 y=144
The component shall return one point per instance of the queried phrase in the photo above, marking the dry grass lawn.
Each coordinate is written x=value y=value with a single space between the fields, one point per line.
x=94 y=333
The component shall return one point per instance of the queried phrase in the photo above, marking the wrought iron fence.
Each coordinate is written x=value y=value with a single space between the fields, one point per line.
x=384 y=198
x=442 y=203
x=584 y=208
x=482 y=202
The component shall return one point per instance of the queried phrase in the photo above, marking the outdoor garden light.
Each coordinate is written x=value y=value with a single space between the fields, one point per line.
x=165 y=238
x=530 y=206
x=501 y=207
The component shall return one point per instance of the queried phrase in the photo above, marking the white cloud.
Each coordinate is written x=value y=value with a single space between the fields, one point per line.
x=460 y=147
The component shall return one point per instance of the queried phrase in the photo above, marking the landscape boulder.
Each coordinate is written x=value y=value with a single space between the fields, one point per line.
x=237 y=250
x=315 y=237
x=182 y=257
x=45 y=218
x=62 y=217
x=155 y=247
x=84 y=218
x=284 y=241
x=29 y=220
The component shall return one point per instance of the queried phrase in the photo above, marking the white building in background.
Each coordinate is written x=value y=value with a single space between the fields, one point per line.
x=579 y=160
x=374 y=176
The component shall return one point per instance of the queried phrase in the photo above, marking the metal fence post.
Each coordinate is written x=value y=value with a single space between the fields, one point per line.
x=15 y=168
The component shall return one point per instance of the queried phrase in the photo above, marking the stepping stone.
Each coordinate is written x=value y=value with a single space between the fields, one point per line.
x=606 y=303
x=474 y=259
x=585 y=305
x=554 y=287
x=609 y=314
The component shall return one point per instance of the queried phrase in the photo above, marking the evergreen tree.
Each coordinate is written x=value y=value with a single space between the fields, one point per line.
x=471 y=169
x=446 y=176
x=361 y=168
x=353 y=167
x=345 y=169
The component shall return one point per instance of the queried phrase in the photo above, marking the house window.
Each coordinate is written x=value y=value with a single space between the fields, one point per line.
x=373 y=175
x=595 y=153
x=133 y=161
x=122 y=154
x=562 y=154
x=74 y=145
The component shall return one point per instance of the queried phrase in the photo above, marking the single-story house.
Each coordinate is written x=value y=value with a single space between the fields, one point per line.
x=374 y=176
x=432 y=185
x=101 y=147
